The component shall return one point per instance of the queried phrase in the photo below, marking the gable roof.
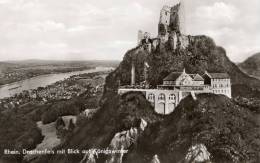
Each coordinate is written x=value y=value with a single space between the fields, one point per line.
x=218 y=75
x=172 y=76
x=196 y=77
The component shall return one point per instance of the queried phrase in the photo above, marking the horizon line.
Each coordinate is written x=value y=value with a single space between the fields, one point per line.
x=71 y=60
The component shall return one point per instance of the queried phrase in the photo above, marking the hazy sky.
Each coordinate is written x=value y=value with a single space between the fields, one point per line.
x=106 y=29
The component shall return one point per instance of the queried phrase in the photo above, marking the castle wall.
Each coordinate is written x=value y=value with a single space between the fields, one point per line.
x=143 y=37
x=182 y=18
x=173 y=40
x=155 y=44
x=165 y=15
x=184 y=41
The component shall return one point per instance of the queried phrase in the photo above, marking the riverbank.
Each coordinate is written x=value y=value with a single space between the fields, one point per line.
x=41 y=81
x=15 y=71
x=21 y=74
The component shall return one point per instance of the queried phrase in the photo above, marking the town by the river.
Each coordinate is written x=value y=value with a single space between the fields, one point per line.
x=9 y=90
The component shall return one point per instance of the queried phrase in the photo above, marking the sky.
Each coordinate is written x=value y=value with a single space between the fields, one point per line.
x=106 y=29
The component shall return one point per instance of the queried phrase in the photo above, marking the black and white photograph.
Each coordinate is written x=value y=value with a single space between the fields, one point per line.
x=129 y=81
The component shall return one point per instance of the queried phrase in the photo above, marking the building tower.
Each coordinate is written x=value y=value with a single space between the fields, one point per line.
x=164 y=21
x=182 y=17
x=140 y=36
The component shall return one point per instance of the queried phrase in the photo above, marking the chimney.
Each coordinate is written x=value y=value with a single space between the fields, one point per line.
x=133 y=74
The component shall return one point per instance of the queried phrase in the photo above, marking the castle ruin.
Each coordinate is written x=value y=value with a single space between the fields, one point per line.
x=177 y=85
x=171 y=27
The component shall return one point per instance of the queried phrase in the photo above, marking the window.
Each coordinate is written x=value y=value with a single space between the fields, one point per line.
x=161 y=97
x=151 y=97
x=171 y=97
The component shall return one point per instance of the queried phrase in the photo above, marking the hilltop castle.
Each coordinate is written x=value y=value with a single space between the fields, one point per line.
x=177 y=85
x=170 y=27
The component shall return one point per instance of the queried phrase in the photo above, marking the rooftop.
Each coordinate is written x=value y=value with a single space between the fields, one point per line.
x=218 y=75
x=172 y=76
x=196 y=77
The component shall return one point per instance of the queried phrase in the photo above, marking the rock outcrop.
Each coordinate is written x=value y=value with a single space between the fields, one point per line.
x=155 y=159
x=123 y=140
x=197 y=154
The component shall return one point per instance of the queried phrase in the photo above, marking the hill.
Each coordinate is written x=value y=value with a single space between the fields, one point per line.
x=227 y=130
x=117 y=114
x=252 y=65
x=201 y=54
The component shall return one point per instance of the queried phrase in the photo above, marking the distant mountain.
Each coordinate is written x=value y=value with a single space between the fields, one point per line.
x=14 y=65
x=251 y=65
x=39 y=62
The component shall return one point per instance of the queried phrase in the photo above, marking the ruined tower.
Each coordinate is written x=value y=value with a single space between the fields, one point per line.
x=164 y=22
x=172 y=19
x=182 y=17
x=140 y=36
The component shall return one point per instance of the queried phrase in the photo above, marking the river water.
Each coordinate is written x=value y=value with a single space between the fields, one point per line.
x=9 y=90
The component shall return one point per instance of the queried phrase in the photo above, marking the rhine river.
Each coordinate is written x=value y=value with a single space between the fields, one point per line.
x=9 y=90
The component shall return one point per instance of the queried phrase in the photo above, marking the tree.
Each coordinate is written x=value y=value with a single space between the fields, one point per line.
x=71 y=125
x=60 y=123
